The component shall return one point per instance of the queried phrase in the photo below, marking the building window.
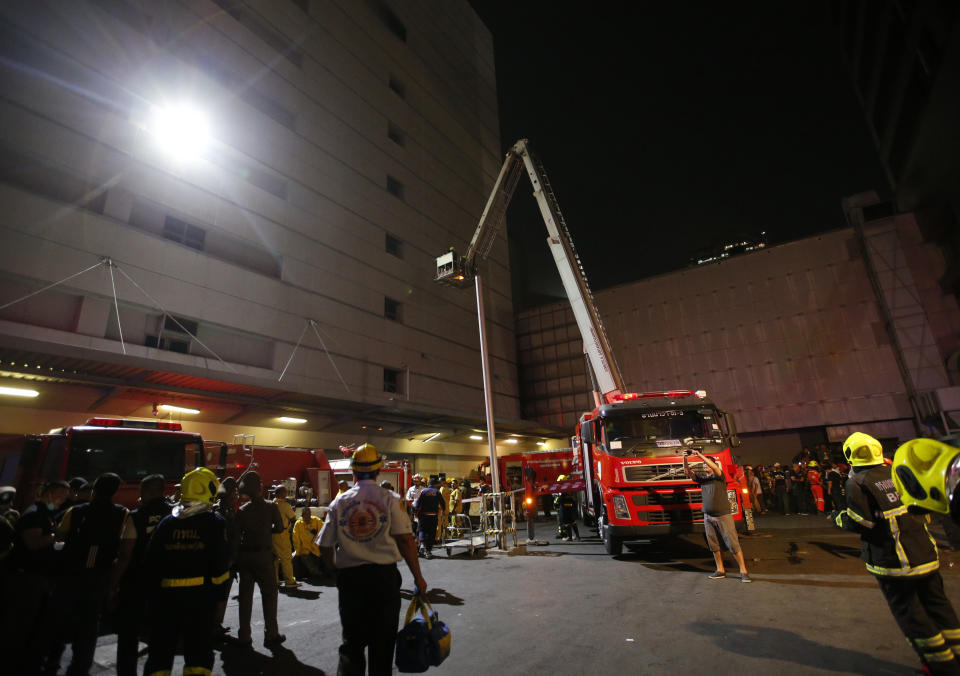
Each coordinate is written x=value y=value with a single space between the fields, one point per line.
x=398 y=87
x=184 y=233
x=394 y=187
x=393 y=246
x=392 y=380
x=395 y=134
x=180 y=324
x=392 y=309
x=167 y=343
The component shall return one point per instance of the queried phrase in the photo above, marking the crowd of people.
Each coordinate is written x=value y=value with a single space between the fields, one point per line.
x=74 y=560
x=812 y=483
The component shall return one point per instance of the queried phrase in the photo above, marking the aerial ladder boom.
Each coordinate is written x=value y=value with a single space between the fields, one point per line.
x=459 y=270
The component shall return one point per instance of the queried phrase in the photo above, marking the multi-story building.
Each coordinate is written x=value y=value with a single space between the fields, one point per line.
x=234 y=207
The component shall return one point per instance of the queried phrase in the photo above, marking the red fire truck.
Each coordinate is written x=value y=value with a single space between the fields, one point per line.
x=275 y=465
x=397 y=472
x=131 y=448
x=629 y=449
x=536 y=471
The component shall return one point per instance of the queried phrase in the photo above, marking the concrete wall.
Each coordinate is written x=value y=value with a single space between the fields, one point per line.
x=786 y=338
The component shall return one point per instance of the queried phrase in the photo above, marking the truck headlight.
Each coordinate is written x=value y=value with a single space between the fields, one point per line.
x=620 y=507
x=734 y=505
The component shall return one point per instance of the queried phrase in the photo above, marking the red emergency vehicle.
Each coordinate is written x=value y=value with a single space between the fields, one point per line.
x=131 y=448
x=275 y=465
x=631 y=454
x=535 y=471
x=397 y=472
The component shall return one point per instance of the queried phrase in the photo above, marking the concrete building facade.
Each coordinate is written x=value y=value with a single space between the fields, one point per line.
x=804 y=342
x=273 y=257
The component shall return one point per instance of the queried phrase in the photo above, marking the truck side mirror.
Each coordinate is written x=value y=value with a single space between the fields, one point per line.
x=586 y=432
x=731 y=429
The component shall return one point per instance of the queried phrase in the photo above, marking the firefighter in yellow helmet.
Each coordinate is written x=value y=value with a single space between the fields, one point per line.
x=900 y=553
x=815 y=482
x=187 y=557
x=371 y=531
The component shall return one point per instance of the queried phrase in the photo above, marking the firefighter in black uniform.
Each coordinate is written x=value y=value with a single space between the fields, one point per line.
x=900 y=553
x=429 y=508
x=132 y=601
x=187 y=558
x=566 y=506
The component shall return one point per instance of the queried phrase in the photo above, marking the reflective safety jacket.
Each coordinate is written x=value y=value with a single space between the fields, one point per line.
x=893 y=542
x=305 y=534
x=189 y=552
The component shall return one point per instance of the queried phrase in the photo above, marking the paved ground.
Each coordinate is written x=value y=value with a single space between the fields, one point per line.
x=568 y=608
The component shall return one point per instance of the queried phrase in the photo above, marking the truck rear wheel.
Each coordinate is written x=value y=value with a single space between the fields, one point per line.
x=611 y=543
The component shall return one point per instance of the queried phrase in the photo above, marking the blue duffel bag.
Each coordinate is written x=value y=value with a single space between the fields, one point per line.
x=424 y=641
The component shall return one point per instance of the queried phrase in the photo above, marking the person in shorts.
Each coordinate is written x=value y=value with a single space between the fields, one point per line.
x=717 y=520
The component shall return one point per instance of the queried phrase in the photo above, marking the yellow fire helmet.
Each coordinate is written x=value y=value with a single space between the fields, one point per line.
x=562 y=477
x=812 y=464
x=861 y=449
x=199 y=485
x=366 y=459
x=926 y=473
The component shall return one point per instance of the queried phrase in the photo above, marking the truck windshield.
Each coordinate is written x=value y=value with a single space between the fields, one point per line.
x=131 y=455
x=636 y=432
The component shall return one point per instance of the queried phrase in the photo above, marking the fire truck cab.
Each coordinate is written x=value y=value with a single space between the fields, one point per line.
x=631 y=452
x=130 y=448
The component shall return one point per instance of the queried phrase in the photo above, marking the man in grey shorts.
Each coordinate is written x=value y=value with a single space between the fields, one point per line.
x=717 y=519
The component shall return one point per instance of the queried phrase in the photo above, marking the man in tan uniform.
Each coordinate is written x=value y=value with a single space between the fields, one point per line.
x=281 y=541
x=258 y=520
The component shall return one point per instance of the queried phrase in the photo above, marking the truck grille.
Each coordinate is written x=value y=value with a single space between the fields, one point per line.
x=671 y=515
x=667 y=472
x=677 y=497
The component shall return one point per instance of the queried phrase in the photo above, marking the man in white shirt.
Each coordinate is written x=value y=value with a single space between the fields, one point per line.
x=371 y=531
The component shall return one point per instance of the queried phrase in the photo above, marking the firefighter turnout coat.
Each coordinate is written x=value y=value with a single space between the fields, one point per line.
x=893 y=542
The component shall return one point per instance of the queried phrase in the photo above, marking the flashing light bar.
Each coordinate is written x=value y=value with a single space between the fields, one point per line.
x=177 y=409
x=296 y=421
x=18 y=392
x=135 y=424
x=669 y=394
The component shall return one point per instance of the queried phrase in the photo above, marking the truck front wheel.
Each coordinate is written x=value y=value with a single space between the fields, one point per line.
x=611 y=543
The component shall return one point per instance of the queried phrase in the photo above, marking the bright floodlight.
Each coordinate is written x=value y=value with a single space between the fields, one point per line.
x=178 y=409
x=18 y=392
x=180 y=131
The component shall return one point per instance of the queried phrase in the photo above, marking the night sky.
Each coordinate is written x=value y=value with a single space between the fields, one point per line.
x=667 y=127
